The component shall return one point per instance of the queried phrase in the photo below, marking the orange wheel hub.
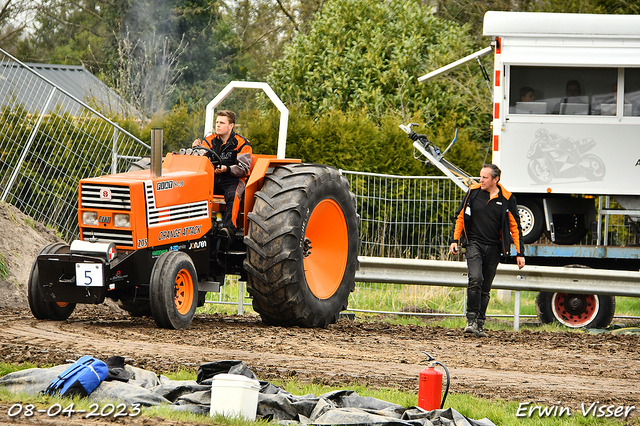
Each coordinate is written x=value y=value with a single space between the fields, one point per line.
x=62 y=304
x=184 y=292
x=326 y=248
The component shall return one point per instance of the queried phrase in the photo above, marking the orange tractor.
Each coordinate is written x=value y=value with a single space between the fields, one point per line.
x=149 y=239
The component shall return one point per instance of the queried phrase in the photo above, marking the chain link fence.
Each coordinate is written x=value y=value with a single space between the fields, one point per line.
x=404 y=216
x=49 y=140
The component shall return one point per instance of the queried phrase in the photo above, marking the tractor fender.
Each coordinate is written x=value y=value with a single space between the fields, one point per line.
x=260 y=164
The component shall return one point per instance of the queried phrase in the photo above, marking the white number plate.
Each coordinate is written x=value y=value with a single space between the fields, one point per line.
x=89 y=275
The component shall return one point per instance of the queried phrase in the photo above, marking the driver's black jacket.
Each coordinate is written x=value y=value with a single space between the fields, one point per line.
x=235 y=154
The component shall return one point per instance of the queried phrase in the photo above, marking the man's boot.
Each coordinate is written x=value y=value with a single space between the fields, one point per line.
x=472 y=326
x=479 y=331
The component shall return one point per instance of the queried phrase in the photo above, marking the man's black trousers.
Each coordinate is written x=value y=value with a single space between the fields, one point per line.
x=482 y=261
x=233 y=190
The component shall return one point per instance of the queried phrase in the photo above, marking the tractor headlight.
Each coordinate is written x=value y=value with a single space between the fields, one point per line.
x=121 y=220
x=90 y=218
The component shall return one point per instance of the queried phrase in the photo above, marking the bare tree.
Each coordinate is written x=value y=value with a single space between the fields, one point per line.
x=148 y=70
x=15 y=17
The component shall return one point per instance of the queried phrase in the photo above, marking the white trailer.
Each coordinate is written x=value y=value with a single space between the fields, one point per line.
x=578 y=131
x=566 y=131
x=566 y=115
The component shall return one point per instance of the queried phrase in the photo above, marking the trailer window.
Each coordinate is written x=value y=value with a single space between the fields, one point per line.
x=632 y=91
x=562 y=90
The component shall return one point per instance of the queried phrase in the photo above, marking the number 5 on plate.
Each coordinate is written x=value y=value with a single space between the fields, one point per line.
x=89 y=275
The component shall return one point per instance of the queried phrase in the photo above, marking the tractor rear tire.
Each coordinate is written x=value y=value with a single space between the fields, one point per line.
x=173 y=290
x=40 y=308
x=302 y=246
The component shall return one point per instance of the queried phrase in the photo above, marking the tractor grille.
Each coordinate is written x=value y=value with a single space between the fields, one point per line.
x=118 y=198
x=198 y=210
x=120 y=238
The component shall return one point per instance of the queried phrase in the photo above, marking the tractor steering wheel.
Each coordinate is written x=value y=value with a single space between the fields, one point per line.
x=214 y=157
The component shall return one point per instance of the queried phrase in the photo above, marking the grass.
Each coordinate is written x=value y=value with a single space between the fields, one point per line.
x=498 y=411
x=4 y=268
x=6 y=368
x=229 y=298
x=56 y=231
x=30 y=222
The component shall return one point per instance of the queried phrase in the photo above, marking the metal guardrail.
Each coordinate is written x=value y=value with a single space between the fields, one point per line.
x=508 y=277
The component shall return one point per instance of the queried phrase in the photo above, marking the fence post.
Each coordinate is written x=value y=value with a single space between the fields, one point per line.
x=26 y=148
x=240 y=297
x=114 y=152
x=516 y=311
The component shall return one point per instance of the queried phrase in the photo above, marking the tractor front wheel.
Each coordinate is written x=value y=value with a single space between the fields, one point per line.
x=173 y=290
x=40 y=308
x=302 y=246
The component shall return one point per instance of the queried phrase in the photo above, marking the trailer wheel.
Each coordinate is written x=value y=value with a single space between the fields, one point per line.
x=302 y=246
x=576 y=310
x=531 y=220
x=173 y=290
x=40 y=308
x=570 y=228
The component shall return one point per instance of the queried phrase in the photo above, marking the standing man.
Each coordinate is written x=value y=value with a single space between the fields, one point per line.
x=487 y=223
x=231 y=176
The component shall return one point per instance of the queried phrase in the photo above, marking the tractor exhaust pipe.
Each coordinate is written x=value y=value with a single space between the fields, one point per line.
x=156 y=152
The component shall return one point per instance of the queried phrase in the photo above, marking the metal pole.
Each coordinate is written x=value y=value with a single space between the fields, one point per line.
x=114 y=152
x=516 y=311
x=28 y=146
x=599 y=233
x=605 y=242
x=156 y=152
x=240 y=297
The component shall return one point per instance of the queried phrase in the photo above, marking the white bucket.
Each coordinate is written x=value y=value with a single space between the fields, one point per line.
x=233 y=395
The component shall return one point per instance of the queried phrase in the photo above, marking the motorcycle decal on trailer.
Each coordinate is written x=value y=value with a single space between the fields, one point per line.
x=552 y=156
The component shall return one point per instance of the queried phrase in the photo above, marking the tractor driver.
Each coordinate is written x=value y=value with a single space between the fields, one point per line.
x=230 y=176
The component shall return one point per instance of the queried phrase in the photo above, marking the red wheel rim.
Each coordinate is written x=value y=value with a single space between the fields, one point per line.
x=62 y=304
x=184 y=292
x=326 y=249
x=575 y=310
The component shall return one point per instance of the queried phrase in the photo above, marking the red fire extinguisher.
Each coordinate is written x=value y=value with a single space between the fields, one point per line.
x=430 y=385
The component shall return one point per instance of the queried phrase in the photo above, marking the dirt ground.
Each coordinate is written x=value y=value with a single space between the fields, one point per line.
x=564 y=369
x=540 y=368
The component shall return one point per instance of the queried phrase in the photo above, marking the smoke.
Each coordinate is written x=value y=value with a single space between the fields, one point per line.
x=149 y=46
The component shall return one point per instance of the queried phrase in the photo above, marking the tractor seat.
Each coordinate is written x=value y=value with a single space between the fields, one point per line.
x=220 y=198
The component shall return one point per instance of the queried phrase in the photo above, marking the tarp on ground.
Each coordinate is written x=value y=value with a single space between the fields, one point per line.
x=342 y=407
